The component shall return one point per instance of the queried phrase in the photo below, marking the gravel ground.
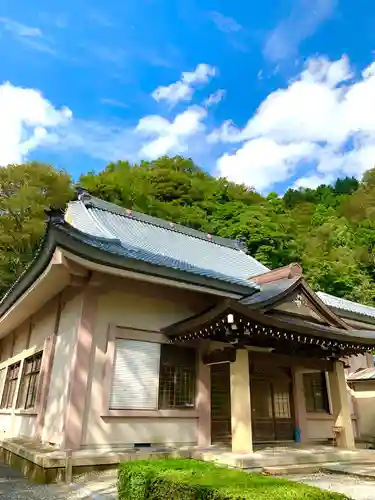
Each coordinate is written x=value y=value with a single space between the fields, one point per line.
x=353 y=487
x=102 y=486
x=13 y=486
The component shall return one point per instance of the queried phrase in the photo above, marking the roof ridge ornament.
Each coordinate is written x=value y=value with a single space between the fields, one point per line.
x=55 y=216
x=291 y=271
x=82 y=194
x=241 y=244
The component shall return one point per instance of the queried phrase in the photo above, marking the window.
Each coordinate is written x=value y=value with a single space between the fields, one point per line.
x=135 y=375
x=10 y=385
x=316 y=395
x=29 y=382
x=177 y=377
x=151 y=376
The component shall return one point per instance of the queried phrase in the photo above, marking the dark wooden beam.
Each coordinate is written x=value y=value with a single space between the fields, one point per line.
x=218 y=356
x=292 y=361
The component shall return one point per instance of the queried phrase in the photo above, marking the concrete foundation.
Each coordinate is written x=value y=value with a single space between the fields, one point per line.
x=45 y=464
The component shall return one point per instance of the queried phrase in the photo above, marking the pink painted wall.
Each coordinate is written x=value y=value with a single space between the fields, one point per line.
x=140 y=306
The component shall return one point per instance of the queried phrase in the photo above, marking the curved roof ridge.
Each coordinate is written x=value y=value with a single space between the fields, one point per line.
x=86 y=217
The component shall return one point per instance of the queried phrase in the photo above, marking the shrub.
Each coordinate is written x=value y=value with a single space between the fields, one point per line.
x=195 y=480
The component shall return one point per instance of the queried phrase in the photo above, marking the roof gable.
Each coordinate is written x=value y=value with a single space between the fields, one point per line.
x=291 y=295
x=299 y=304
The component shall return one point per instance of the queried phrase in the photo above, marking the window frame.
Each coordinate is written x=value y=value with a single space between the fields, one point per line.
x=180 y=370
x=115 y=332
x=11 y=381
x=28 y=378
x=310 y=387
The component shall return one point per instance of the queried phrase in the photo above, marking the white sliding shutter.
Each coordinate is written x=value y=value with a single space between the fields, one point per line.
x=135 y=380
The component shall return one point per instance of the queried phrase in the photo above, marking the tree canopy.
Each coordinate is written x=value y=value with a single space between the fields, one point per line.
x=26 y=191
x=330 y=230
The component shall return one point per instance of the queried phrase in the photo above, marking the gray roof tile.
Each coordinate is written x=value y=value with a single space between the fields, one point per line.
x=158 y=242
x=346 y=305
x=269 y=291
x=363 y=374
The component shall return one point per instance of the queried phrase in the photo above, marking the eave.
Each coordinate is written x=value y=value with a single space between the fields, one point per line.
x=356 y=317
x=43 y=282
x=48 y=274
x=70 y=240
x=256 y=328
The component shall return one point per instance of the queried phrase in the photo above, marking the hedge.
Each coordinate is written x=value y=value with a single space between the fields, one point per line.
x=194 y=480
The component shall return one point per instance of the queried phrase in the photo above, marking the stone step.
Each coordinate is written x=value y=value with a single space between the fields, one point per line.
x=292 y=469
x=287 y=458
x=364 y=471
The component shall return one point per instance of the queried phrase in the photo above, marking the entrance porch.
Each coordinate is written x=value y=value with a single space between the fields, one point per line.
x=264 y=379
x=272 y=404
x=259 y=399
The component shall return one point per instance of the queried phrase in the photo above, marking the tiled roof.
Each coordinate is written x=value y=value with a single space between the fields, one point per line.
x=269 y=291
x=159 y=242
x=364 y=374
x=346 y=305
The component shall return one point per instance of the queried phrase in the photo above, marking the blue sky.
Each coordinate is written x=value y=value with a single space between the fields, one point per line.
x=273 y=93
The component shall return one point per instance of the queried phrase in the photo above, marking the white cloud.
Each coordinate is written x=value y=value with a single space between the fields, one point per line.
x=224 y=23
x=304 y=19
x=320 y=126
x=113 y=102
x=170 y=137
x=20 y=29
x=26 y=120
x=29 y=36
x=214 y=98
x=323 y=122
x=183 y=89
x=262 y=161
x=174 y=93
x=313 y=181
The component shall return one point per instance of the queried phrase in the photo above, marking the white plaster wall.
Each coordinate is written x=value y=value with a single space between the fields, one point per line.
x=364 y=393
x=20 y=339
x=5 y=424
x=56 y=402
x=127 y=431
x=6 y=348
x=357 y=362
x=320 y=429
x=147 y=307
x=43 y=326
x=24 y=426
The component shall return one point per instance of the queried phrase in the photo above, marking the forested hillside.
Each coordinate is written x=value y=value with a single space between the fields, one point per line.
x=329 y=230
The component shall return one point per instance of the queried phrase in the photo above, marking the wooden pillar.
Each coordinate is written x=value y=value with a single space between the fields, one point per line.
x=203 y=402
x=340 y=406
x=369 y=360
x=299 y=404
x=241 y=404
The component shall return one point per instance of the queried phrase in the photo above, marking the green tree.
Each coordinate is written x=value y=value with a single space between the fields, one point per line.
x=330 y=230
x=26 y=191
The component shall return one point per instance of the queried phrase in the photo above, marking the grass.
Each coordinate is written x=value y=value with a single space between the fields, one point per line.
x=195 y=480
